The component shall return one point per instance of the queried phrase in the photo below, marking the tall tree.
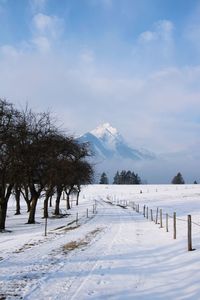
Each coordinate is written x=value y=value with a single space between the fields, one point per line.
x=122 y=177
x=8 y=156
x=178 y=179
x=103 y=179
x=116 y=179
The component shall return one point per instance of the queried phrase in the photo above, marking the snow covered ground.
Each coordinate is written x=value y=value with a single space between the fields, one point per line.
x=114 y=253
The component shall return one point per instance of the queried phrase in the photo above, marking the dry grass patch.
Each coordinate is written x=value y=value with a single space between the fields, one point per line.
x=81 y=243
x=74 y=245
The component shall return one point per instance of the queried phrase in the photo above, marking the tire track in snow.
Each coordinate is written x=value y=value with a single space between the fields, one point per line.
x=98 y=261
x=66 y=286
x=48 y=276
x=118 y=238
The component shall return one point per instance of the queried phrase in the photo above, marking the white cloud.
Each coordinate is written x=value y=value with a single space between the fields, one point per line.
x=155 y=48
x=157 y=105
x=38 y=5
x=147 y=36
x=47 y=31
x=46 y=25
x=161 y=31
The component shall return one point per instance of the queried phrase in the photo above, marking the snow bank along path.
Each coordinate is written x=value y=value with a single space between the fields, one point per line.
x=115 y=254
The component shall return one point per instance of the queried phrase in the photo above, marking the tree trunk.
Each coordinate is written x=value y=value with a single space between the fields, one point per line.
x=77 y=197
x=17 y=198
x=26 y=198
x=31 y=219
x=46 y=215
x=68 y=204
x=46 y=201
x=28 y=205
x=3 y=211
x=57 y=206
x=3 y=206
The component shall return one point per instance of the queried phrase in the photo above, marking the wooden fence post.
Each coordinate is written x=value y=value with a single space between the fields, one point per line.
x=174 y=223
x=167 y=223
x=157 y=215
x=151 y=215
x=144 y=210
x=161 y=225
x=147 y=214
x=189 y=233
x=45 y=227
x=87 y=212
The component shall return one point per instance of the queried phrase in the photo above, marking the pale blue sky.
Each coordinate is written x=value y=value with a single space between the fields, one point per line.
x=132 y=63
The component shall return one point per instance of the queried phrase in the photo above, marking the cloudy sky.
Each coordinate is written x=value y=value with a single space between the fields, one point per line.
x=132 y=63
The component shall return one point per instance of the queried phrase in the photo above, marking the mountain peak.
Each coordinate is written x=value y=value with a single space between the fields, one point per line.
x=105 y=129
x=107 y=143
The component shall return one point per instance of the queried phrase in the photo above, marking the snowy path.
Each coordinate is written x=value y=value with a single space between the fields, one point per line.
x=124 y=257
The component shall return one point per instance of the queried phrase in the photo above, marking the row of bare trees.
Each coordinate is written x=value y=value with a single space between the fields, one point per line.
x=37 y=158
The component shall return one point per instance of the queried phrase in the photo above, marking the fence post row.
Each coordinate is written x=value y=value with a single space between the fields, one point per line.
x=146 y=214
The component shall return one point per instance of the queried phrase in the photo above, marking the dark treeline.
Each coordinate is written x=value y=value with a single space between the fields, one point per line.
x=123 y=177
x=126 y=177
x=38 y=159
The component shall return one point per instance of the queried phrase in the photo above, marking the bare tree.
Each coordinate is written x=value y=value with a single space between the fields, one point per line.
x=8 y=161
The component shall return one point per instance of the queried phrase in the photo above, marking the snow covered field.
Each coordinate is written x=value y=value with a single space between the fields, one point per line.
x=114 y=253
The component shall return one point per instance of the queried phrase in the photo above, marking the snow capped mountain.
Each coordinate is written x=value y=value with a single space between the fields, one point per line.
x=107 y=143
